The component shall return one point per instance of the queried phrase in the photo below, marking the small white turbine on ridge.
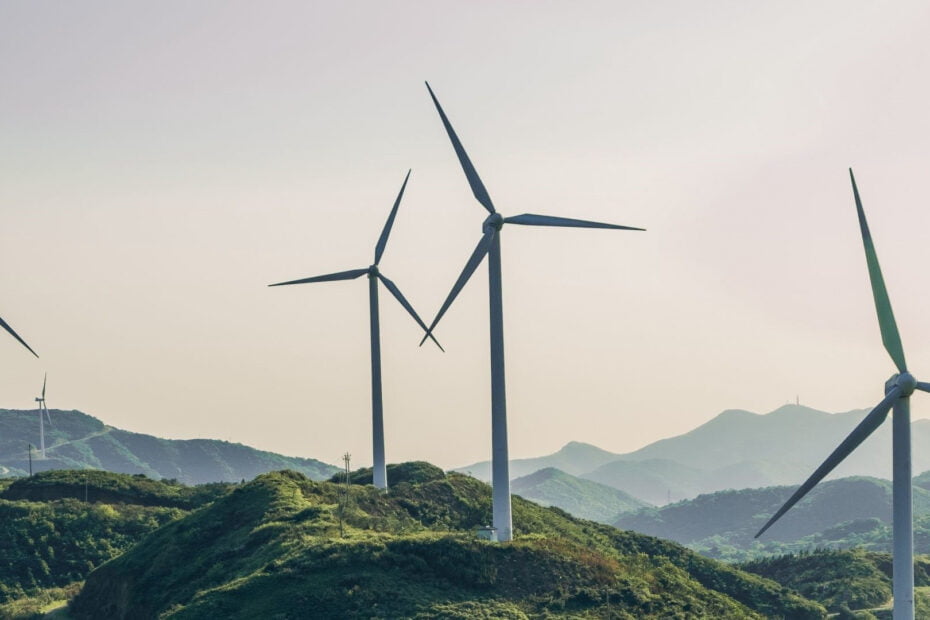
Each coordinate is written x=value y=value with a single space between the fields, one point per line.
x=43 y=413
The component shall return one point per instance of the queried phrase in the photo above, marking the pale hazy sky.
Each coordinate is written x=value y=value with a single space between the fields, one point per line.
x=161 y=163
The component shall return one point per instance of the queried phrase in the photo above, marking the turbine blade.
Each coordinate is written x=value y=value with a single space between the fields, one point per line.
x=890 y=336
x=531 y=219
x=342 y=275
x=406 y=304
x=474 y=260
x=47 y=414
x=859 y=434
x=382 y=241
x=6 y=326
x=477 y=187
x=44 y=379
x=923 y=387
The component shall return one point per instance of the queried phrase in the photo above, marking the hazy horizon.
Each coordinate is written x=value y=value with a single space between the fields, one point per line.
x=160 y=165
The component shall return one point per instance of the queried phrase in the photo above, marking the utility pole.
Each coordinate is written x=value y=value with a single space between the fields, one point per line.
x=346 y=458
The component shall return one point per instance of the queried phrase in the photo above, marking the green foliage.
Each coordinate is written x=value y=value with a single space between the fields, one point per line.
x=271 y=548
x=842 y=580
x=412 y=472
x=111 y=488
x=55 y=543
x=36 y=605
x=50 y=537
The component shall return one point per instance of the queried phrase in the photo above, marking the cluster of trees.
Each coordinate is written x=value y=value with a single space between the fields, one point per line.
x=51 y=537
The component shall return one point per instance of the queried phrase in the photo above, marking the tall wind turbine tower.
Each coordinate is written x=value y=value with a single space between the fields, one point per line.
x=379 y=469
x=898 y=390
x=489 y=245
x=13 y=333
x=43 y=413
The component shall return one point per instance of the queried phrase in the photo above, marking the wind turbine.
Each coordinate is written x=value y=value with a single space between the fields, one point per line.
x=43 y=409
x=898 y=390
x=489 y=245
x=379 y=469
x=13 y=333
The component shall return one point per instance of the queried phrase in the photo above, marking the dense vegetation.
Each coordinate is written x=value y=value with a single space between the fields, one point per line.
x=412 y=472
x=79 y=441
x=109 y=488
x=272 y=548
x=50 y=537
x=841 y=580
x=582 y=498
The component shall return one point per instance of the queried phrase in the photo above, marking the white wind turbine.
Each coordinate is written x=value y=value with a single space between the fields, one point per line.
x=43 y=413
x=489 y=245
x=898 y=390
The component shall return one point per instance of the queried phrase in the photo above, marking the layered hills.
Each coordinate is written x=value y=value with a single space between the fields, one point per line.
x=286 y=546
x=580 y=497
x=735 y=450
x=80 y=441
x=844 y=513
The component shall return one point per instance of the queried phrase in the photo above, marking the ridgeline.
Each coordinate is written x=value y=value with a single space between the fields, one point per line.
x=79 y=441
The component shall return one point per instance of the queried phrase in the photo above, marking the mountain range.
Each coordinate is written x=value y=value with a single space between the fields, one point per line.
x=80 y=441
x=735 y=450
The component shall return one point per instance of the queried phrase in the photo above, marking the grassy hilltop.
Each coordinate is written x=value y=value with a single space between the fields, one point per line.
x=272 y=548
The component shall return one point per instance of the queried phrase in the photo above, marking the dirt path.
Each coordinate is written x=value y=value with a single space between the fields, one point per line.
x=105 y=431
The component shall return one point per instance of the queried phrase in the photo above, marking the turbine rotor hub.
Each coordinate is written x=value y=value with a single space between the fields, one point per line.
x=495 y=221
x=373 y=271
x=905 y=381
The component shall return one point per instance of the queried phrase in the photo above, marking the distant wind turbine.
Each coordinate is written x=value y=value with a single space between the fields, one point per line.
x=43 y=413
x=13 y=333
x=374 y=274
x=898 y=390
x=489 y=245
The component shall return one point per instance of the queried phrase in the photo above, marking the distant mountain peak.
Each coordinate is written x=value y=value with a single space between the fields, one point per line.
x=575 y=448
x=793 y=409
x=731 y=414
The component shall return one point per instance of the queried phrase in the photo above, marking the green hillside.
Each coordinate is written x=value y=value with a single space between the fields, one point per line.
x=582 y=498
x=837 y=513
x=842 y=580
x=272 y=548
x=79 y=441
x=50 y=537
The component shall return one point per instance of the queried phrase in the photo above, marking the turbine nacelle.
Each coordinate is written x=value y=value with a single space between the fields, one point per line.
x=373 y=271
x=905 y=382
x=494 y=221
